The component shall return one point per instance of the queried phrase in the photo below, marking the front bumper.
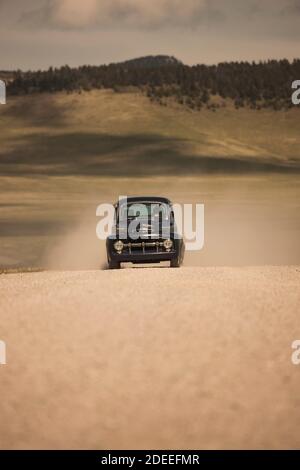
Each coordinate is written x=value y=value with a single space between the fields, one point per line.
x=143 y=257
x=151 y=253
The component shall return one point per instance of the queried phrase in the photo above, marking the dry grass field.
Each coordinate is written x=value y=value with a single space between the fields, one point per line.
x=107 y=133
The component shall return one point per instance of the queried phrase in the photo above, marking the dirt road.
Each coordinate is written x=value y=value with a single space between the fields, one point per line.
x=150 y=358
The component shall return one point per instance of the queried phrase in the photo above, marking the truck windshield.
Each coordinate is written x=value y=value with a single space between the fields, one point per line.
x=144 y=210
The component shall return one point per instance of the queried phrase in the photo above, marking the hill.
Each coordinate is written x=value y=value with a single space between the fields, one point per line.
x=164 y=79
x=107 y=133
x=151 y=61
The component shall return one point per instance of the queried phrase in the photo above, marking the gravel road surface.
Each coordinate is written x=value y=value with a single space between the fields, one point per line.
x=150 y=358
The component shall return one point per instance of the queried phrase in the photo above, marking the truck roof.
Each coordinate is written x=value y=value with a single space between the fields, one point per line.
x=153 y=199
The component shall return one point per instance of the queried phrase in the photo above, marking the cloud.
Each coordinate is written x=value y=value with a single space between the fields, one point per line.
x=37 y=33
x=158 y=14
x=74 y=13
x=293 y=6
x=78 y=14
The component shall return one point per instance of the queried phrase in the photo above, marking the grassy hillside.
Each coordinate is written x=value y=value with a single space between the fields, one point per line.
x=252 y=85
x=107 y=133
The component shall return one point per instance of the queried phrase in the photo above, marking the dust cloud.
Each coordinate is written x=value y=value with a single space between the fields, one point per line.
x=77 y=249
x=248 y=221
x=237 y=232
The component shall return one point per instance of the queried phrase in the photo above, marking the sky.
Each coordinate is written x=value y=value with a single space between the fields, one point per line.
x=36 y=34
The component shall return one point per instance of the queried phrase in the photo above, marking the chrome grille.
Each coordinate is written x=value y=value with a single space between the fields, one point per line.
x=145 y=247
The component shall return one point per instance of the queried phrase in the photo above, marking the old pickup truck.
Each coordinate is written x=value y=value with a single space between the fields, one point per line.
x=144 y=231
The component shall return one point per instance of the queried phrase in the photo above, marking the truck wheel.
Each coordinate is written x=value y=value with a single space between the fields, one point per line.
x=175 y=263
x=114 y=265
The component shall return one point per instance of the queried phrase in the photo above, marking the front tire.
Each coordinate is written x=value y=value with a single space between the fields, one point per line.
x=114 y=265
x=175 y=263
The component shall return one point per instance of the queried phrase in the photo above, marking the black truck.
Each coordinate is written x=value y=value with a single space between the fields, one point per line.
x=144 y=231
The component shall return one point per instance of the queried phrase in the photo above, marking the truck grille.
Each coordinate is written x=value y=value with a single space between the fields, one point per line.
x=144 y=247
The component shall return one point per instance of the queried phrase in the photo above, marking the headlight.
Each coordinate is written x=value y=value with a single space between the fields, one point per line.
x=168 y=244
x=118 y=245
